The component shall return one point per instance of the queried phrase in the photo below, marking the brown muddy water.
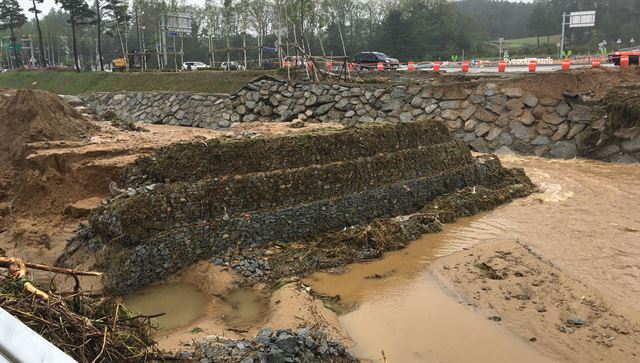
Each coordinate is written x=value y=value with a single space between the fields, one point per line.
x=183 y=304
x=586 y=221
x=180 y=303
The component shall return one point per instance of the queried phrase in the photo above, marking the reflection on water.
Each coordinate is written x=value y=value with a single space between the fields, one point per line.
x=586 y=221
x=246 y=308
x=180 y=302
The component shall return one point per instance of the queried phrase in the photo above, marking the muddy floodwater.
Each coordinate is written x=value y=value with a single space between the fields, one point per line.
x=183 y=304
x=180 y=303
x=586 y=222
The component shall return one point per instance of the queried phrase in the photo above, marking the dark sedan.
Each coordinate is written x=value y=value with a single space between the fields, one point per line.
x=371 y=60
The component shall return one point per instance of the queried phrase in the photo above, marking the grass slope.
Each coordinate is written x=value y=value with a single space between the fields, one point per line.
x=531 y=41
x=75 y=83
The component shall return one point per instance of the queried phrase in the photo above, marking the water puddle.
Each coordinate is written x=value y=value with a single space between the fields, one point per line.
x=183 y=305
x=180 y=302
x=246 y=308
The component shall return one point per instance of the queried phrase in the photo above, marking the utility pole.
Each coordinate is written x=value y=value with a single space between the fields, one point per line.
x=564 y=16
x=163 y=29
x=135 y=12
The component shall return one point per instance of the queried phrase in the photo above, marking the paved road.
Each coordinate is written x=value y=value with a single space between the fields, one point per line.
x=519 y=69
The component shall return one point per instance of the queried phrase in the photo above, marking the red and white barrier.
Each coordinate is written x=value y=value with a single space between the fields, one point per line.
x=624 y=61
x=595 y=63
x=411 y=66
x=436 y=66
x=532 y=65
x=566 y=64
x=380 y=66
x=465 y=67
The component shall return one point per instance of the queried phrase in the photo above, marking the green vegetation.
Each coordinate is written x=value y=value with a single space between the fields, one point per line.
x=75 y=83
x=530 y=42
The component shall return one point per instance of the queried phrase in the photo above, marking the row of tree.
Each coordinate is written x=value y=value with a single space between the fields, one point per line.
x=96 y=31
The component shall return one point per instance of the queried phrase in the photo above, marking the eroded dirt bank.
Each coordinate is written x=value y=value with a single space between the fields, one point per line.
x=56 y=164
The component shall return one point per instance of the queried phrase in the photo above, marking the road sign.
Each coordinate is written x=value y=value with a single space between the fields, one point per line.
x=179 y=23
x=8 y=46
x=582 y=19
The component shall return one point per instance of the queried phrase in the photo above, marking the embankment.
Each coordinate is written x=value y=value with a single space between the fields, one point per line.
x=188 y=208
x=72 y=83
x=551 y=115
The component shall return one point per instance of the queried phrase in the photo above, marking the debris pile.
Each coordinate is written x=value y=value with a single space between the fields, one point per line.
x=87 y=327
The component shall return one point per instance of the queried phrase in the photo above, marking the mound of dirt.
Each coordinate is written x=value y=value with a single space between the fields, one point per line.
x=31 y=116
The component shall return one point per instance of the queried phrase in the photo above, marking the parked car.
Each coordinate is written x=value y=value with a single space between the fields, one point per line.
x=424 y=66
x=371 y=60
x=193 y=66
x=271 y=64
x=232 y=66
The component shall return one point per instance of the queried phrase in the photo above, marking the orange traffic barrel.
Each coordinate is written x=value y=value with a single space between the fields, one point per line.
x=411 y=66
x=624 y=61
x=532 y=65
x=595 y=63
x=380 y=66
x=465 y=67
x=502 y=66
x=566 y=64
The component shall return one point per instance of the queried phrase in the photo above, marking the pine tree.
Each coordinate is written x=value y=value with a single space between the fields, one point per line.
x=11 y=17
x=35 y=11
x=106 y=11
x=79 y=14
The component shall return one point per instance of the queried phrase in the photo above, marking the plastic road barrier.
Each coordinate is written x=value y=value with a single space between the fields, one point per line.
x=624 y=61
x=502 y=66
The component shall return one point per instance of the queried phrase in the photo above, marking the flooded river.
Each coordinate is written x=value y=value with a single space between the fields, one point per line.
x=586 y=221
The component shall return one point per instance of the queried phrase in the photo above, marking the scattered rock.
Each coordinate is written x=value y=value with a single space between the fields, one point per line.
x=296 y=124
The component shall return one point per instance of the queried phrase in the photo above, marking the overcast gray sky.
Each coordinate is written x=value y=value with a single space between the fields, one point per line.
x=48 y=4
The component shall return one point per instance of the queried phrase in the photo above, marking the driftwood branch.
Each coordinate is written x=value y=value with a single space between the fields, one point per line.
x=61 y=270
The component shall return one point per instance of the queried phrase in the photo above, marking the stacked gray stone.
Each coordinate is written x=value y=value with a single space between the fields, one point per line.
x=489 y=117
x=182 y=109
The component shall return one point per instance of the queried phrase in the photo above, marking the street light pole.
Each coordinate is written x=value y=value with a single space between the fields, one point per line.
x=564 y=15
